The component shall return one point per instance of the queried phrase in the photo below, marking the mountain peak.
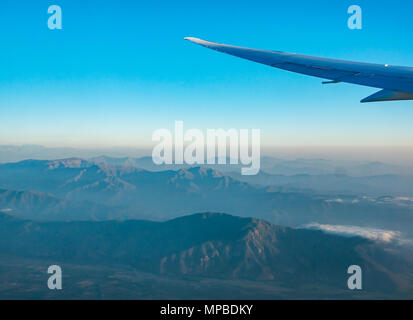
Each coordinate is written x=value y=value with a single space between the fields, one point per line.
x=74 y=163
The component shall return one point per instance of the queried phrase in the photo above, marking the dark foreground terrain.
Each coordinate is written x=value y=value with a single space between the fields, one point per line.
x=210 y=256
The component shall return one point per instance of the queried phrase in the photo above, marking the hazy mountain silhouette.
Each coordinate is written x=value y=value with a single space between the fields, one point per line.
x=377 y=185
x=47 y=207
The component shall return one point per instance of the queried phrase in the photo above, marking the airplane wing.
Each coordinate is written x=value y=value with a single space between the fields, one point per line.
x=396 y=83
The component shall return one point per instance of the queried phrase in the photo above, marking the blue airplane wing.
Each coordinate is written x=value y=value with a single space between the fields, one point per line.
x=396 y=82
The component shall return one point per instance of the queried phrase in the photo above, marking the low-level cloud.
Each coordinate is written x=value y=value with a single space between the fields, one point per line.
x=380 y=235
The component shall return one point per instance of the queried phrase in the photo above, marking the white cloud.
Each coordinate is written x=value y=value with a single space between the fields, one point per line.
x=380 y=235
x=338 y=200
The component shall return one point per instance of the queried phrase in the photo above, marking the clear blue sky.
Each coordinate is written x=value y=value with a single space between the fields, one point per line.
x=120 y=69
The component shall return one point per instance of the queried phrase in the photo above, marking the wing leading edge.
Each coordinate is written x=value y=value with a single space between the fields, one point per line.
x=396 y=82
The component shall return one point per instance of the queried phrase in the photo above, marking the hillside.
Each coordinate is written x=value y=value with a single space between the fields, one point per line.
x=209 y=245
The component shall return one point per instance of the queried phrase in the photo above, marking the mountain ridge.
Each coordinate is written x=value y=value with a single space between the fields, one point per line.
x=209 y=245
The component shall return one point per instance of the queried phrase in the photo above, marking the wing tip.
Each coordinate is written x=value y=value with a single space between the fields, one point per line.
x=201 y=42
x=192 y=39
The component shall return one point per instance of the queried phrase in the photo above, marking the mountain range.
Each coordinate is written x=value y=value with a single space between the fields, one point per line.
x=271 y=165
x=276 y=166
x=76 y=189
x=212 y=246
x=117 y=228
